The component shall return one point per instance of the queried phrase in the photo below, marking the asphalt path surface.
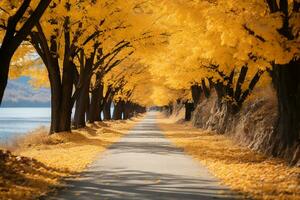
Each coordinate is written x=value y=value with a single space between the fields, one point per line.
x=144 y=165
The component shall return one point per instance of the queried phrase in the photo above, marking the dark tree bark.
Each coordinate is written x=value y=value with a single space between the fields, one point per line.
x=107 y=110
x=67 y=82
x=206 y=90
x=230 y=97
x=196 y=94
x=56 y=95
x=235 y=95
x=13 y=38
x=82 y=103
x=167 y=109
x=118 y=110
x=287 y=85
x=243 y=96
x=189 y=108
x=139 y=109
x=286 y=80
x=229 y=86
x=220 y=90
x=240 y=81
x=128 y=110
x=62 y=100
x=48 y=55
x=170 y=108
x=95 y=106
x=4 y=70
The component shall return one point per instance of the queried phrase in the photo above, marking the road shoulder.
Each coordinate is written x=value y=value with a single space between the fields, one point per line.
x=253 y=174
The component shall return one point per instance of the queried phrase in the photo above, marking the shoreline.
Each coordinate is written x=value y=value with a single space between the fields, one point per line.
x=42 y=161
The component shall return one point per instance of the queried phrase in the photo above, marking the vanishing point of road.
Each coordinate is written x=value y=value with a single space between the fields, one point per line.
x=144 y=165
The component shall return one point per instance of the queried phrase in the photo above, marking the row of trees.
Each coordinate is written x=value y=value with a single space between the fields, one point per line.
x=232 y=47
x=139 y=53
x=87 y=48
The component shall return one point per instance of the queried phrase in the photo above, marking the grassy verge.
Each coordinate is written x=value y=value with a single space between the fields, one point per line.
x=36 y=164
x=241 y=169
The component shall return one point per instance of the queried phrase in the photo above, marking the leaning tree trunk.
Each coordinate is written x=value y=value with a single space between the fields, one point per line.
x=5 y=59
x=13 y=39
x=286 y=80
x=206 y=90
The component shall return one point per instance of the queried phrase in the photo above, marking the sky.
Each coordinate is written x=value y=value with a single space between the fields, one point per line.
x=19 y=93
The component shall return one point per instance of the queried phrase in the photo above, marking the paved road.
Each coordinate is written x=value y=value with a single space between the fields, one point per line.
x=144 y=165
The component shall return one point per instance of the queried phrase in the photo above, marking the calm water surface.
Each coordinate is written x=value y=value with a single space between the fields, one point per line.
x=19 y=121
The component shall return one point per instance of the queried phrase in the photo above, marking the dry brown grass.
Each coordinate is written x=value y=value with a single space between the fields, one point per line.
x=243 y=170
x=26 y=178
x=39 y=161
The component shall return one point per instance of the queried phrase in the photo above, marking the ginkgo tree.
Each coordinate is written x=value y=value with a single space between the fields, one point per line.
x=57 y=39
x=199 y=54
x=236 y=43
x=17 y=18
x=76 y=48
x=148 y=52
x=131 y=84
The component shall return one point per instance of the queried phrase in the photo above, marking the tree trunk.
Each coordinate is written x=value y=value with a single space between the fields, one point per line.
x=66 y=101
x=286 y=80
x=60 y=115
x=56 y=94
x=95 y=106
x=4 y=69
x=206 y=90
x=106 y=110
x=12 y=39
x=82 y=104
x=81 y=107
x=196 y=94
x=128 y=110
x=168 y=109
x=118 y=110
x=139 y=109
x=189 y=108
x=220 y=90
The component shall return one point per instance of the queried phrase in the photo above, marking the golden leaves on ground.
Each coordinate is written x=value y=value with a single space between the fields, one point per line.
x=74 y=151
x=240 y=168
x=25 y=178
x=47 y=159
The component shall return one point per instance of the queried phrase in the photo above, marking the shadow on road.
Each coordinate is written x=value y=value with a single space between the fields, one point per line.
x=144 y=165
x=120 y=184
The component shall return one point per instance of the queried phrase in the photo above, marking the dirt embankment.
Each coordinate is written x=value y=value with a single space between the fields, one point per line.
x=243 y=170
x=253 y=126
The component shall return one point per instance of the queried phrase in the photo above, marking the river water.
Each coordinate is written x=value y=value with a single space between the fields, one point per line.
x=19 y=121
